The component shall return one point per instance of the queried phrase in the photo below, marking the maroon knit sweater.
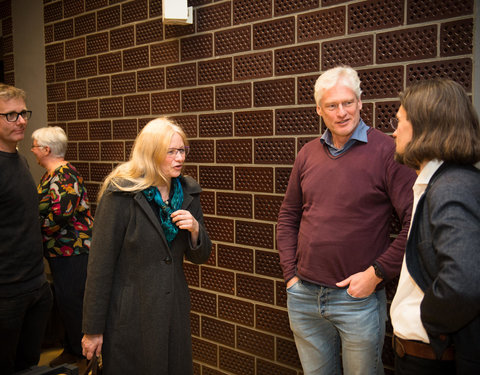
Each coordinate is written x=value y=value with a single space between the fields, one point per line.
x=336 y=216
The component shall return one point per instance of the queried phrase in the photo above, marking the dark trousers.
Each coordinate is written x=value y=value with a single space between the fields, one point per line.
x=23 y=320
x=69 y=276
x=410 y=365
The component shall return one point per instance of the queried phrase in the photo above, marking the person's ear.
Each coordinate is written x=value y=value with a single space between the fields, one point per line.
x=319 y=110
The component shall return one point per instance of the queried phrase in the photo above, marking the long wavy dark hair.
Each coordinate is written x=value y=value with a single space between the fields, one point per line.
x=445 y=124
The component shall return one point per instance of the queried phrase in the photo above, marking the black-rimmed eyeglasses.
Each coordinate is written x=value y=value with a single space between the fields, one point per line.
x=13 y=116
x=394 y=123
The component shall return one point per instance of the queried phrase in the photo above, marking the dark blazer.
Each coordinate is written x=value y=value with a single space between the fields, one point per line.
x=443 y=257
x=136 y=292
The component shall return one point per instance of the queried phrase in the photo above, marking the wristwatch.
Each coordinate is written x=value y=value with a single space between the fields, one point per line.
x=378 y=271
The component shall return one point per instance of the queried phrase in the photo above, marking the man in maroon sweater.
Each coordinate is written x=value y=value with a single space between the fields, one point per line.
x=333 y=234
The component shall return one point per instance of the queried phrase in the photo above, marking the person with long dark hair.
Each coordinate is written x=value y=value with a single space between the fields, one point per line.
x=436 y=309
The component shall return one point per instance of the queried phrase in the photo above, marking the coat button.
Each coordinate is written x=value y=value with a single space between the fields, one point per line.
x=168 y=260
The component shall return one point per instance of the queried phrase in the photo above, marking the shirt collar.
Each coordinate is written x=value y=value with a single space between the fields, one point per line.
x=359 y=134
x=425 y=175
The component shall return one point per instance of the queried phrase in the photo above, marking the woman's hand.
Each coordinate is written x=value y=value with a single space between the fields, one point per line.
x=92 y=344
x=184 y=220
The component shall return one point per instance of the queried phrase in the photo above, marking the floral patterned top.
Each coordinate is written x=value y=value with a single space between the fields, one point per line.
x=65 y=213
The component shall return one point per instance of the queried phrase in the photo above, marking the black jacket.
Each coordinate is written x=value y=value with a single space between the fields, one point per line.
x=443 y=257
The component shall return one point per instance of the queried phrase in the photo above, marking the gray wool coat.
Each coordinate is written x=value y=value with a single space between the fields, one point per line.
x=136 y=294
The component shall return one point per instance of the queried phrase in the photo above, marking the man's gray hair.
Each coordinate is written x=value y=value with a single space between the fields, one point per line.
x=340 y=74
x=53 y=137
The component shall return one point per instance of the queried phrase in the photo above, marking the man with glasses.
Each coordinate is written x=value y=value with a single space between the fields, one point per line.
x=25 y=296
x=333 y=234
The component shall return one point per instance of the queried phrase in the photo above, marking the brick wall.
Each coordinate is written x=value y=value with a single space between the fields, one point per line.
x=240 y=82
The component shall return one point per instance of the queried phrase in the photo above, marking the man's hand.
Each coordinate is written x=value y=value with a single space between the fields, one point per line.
x=292 y=281
x=361 y=284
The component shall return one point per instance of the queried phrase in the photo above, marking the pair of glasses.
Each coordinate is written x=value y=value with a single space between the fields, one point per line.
x=13 y=116
x=334 y=106
x=172 y=152
x=33 y=146
x=394 y=123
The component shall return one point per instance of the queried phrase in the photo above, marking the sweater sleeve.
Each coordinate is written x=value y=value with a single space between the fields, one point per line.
x=399 y=181
x=288 y=225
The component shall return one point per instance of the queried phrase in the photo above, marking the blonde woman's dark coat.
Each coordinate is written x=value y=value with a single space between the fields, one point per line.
x=136 y=293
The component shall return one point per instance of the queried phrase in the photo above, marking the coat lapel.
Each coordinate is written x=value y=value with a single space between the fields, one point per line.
x=420 y=231
x=145 y=206
x=147 y=209
x=187 y=199
x=188 y=190
x=412 y=258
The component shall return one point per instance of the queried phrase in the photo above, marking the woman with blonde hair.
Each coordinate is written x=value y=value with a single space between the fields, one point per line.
x=137 y=304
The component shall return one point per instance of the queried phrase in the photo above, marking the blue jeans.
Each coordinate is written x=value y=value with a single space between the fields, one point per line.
x=323 y=320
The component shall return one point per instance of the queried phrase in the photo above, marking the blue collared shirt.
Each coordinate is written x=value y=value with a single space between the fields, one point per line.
x=358 y=135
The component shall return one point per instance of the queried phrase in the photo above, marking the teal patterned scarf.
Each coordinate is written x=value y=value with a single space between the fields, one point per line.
x=165 y=210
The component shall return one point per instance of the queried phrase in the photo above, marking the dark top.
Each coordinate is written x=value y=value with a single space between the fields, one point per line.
x=21 y=251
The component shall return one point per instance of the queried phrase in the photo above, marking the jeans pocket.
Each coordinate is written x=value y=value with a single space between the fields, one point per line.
x=291 y=288
x=349 y=296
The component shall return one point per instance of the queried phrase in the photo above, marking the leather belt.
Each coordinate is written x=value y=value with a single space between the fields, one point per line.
x=419 y=349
